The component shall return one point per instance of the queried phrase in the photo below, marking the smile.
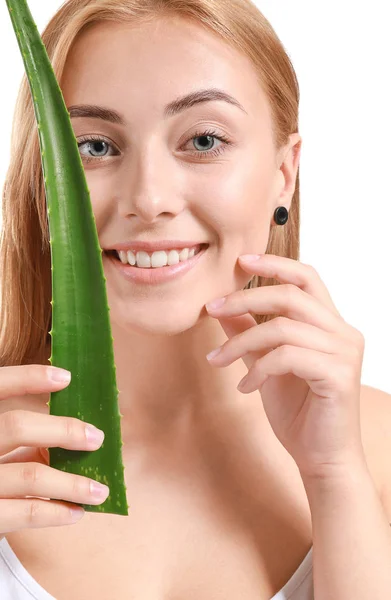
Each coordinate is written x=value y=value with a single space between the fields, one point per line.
x=159 y=258
x=155 y=267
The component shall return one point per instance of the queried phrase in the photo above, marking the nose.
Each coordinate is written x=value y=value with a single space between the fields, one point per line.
x=149 y=188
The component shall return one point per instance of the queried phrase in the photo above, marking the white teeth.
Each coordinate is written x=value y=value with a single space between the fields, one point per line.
x=130 y=256
x=143 y=259
x=173 y=257
x=123 y=257
x=159 y=258
x=184 y=254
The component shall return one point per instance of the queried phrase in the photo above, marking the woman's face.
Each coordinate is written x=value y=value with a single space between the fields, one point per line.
x=154 y=177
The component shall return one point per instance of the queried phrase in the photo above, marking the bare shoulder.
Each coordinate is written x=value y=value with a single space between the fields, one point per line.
x=376 y=436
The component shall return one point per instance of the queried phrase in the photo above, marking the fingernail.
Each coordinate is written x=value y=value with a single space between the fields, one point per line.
x=242 y=383
x=76 y=514
x=94 y=435
x=213 y=353
x=99 y=490
x=249 y=257
x=59 y=375
x=215 y=303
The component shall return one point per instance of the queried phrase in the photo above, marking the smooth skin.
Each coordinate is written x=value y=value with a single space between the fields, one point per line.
x=217 y=506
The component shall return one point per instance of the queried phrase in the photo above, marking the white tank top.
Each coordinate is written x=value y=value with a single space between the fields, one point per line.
x=16 y=583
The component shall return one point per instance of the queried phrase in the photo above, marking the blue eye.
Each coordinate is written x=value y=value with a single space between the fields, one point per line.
x=207 y=136
x=94 y=144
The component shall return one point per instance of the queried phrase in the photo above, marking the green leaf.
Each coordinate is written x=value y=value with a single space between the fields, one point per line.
x=81 y=334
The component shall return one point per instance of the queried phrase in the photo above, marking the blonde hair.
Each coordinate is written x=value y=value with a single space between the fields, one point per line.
x=25 y=261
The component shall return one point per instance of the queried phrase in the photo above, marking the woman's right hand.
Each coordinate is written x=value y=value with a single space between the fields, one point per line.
x=26 y=472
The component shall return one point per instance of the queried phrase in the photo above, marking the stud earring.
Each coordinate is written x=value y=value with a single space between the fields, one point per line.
x=281 y=215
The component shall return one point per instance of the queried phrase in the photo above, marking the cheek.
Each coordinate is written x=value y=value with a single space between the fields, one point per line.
x=100 y=188
x=238 y=200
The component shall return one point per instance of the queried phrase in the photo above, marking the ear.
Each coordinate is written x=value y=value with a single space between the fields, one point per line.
x=287 y=172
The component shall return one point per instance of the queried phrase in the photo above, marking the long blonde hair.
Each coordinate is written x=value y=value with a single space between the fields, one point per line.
x=25 y=261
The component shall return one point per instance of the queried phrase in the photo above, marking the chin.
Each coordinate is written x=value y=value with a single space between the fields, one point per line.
x=158 y=322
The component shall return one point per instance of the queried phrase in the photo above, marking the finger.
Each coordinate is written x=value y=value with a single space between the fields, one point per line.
x=237 y=325
x=25 y=428
x=21 y=380
x=233 y=326
x=325 y=369
x=31 y=513
x=288 y=270
x=279 y=331
x=287 y=300
x=34 y=479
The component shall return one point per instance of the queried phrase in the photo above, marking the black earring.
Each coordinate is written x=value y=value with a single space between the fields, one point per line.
x=281 y=215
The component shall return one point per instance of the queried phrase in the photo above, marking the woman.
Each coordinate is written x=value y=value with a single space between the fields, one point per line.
x=186 y=118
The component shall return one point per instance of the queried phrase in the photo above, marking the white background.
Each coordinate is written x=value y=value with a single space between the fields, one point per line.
x=340 y=52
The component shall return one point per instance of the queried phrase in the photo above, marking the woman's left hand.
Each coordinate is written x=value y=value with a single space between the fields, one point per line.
x=306 y=363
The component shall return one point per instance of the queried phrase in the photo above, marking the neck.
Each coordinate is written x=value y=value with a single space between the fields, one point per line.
x=169 y=393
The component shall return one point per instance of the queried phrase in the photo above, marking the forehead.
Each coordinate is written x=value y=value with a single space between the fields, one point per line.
x=123 y=66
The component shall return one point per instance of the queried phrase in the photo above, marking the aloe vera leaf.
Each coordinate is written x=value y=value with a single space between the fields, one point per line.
x=81 y=332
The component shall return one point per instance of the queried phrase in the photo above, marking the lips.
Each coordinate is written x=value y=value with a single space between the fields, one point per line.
x=152 y=275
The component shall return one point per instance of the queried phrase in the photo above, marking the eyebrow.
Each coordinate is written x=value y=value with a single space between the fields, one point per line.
x=174 y=107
